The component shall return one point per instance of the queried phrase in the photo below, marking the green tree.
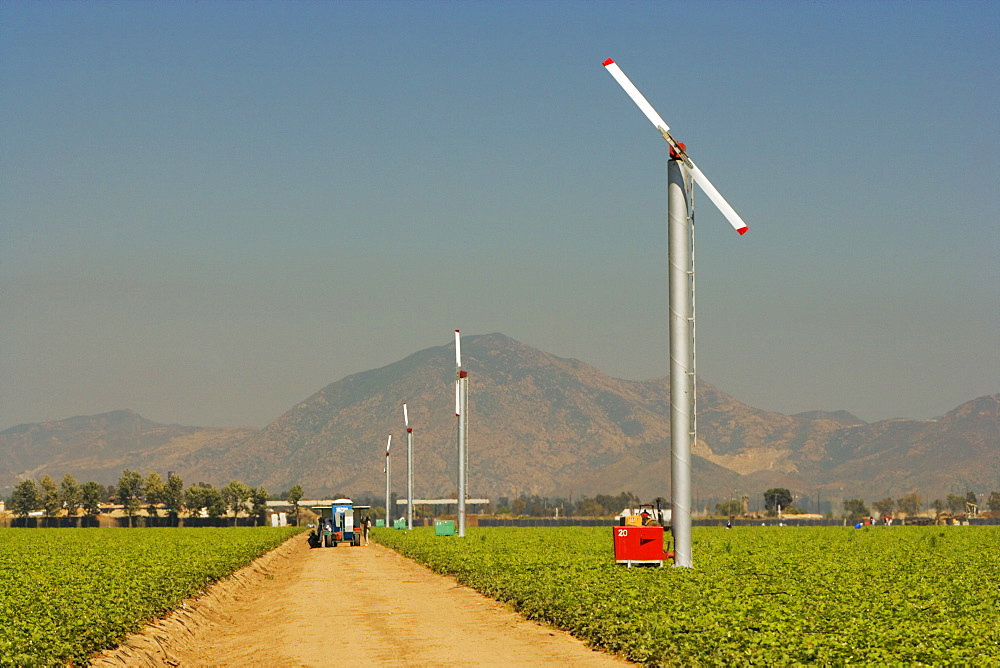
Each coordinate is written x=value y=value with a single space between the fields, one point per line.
x=855 y=509
x=884 y=506
x=71 y=494
x=910 y=504
x=173 y=496
x=613 y=505
x=153 y=491
x=258 y=500
x=294 y=496
x=235 y=495
x=584 y=507
x=214 y=503
x=729 y=508
x=938 y=506
x=26 y=498
x=50 y=496
x=91 y=495
x=203 y=496
x=993 y=503
x=194 y=499
x=956 y=504
x=129 y=493
x=777 y=497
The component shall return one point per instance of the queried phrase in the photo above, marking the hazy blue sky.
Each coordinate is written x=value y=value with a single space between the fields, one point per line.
x=210 y=210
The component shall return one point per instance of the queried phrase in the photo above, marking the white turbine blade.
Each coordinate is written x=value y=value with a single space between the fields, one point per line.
x=717 y=198
x=406 y=417
x=388 y=445
x=636 y=96
x=458 y=349
x=699 y=177
x=458 y=401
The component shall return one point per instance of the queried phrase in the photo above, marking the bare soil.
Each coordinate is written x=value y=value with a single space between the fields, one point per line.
x=361 y=606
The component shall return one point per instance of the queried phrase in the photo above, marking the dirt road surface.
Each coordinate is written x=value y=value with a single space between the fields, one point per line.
x=355 y=606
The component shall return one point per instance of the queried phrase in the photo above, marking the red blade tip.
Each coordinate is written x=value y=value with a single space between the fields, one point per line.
x=608 y=62
x=743 y=230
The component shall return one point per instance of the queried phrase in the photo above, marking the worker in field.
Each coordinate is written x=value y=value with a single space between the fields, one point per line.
x=366 y=525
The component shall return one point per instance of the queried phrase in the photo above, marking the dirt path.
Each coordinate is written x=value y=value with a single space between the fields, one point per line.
x=361 y=606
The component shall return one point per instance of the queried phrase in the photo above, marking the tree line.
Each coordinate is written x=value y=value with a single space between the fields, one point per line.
x=600 y=505
x=911 y=504
x=774 y=499
x=135 y=493
x=151 y=493
x=856 y=509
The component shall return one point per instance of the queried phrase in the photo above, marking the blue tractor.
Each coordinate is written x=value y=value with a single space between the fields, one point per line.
x=340 y=522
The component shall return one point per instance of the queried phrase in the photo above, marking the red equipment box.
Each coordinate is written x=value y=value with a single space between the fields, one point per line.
x=639 y=545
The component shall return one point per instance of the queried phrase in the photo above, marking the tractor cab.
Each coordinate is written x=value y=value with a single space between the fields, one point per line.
x=651 y=515
x=340 y=522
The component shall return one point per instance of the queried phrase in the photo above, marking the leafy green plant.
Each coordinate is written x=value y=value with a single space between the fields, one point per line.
x=767 y=595
x=68 y=593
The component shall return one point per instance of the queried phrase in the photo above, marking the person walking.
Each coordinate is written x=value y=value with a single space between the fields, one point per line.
x=366 y=525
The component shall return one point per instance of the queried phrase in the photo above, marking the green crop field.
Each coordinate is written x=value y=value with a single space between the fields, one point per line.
x=762 y=595
x=68 y=593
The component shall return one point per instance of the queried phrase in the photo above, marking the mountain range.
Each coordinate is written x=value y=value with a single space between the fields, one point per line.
x=538 y=424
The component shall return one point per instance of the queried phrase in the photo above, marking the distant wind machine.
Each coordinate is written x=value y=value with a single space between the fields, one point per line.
x=681 y=171
x=461 y=413
x=388 y=475
x=409 y=468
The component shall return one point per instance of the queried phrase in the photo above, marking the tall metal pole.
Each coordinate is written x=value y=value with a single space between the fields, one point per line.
x=460 y=415
x=388 y=516
x=681 y=358
x=464 y=384
x=409 y=468
x=409 y=478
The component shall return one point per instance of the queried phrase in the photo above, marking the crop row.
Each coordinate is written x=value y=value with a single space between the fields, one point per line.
x=775 y=595
x=68 y=593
